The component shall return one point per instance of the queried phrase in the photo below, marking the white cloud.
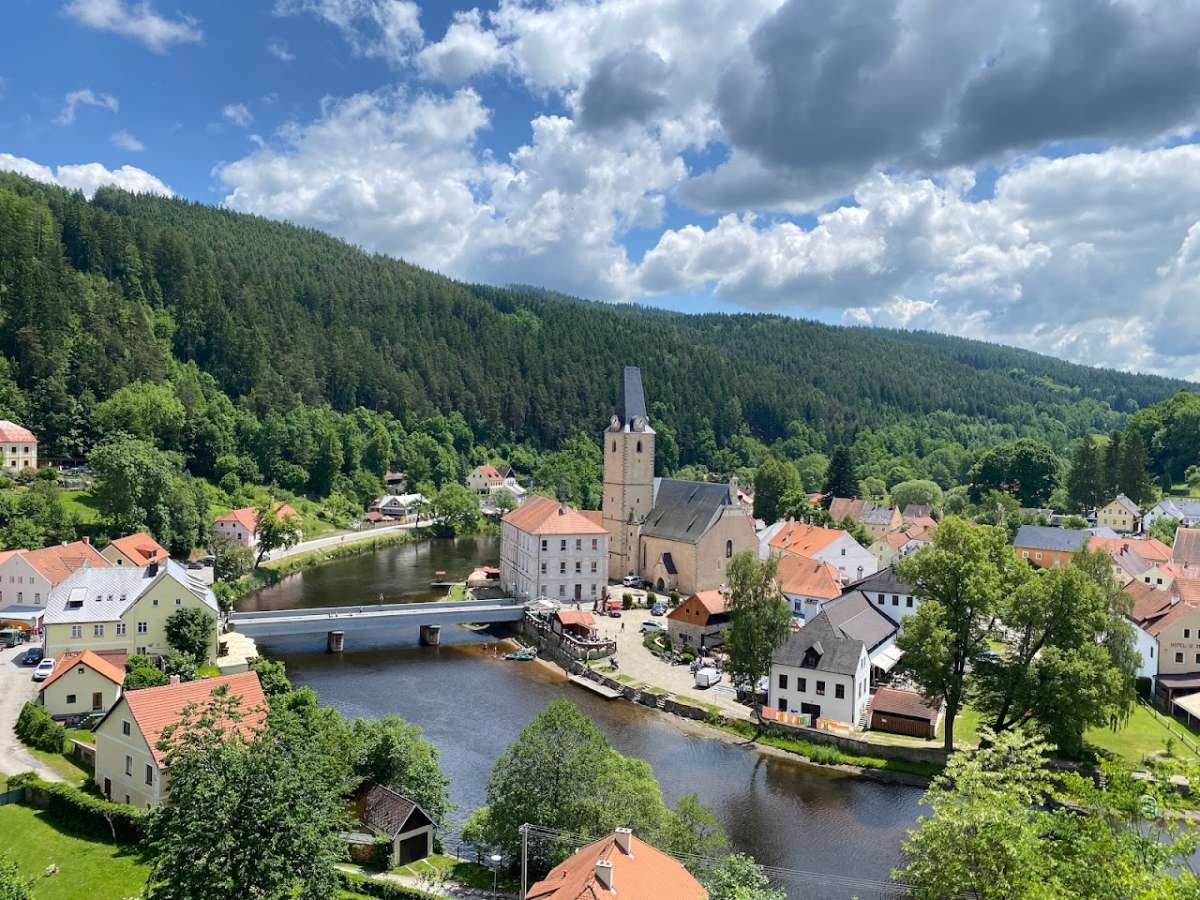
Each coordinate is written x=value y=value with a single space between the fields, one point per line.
x=127 y=141
x=137 y=20
x=387 y=29
x=238 y=113
x=85 y=97
x=279 y=49
x=466 y=50
x=87 y=177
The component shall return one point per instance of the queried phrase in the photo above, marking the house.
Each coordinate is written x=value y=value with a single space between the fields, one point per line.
x=1047 y=547
x=821 y=672
x=241 y=524
x=385 y=812
x=1133 y=558
x=1185 y=553
x=896 y=545
x=1169 y=626
x=1186 y=510
x=888 y=592
x=548 y=549
x=899 y=711
x=123 y=608
x=1147 y=605
x=137 y=550
x=860 y=619
x=18 y=447
x=483 y=478
x=807 y=584
x=914 y=511
x=83 y=682
x=874 y=518
x=28 y=576
x=130 y=764
x=678 y=535
x=618 y=865
x=831 y=545
x=406 y=508
x=700 y=621
x=577 y=623
x=1122 y=515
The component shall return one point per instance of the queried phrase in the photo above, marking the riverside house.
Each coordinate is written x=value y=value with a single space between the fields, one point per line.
x=549 y=549
x=618 y=865
x=822 y=672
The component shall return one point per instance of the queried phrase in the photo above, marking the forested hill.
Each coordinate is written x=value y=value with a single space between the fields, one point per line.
x=123 y=288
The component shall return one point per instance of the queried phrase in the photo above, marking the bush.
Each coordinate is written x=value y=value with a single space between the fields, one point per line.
x=674 y=599
x=687 y=656
x=1143 y=686
x=37 y=729
x=627 y=602
x=385 y=890
x=75 y=808
x=651 y=598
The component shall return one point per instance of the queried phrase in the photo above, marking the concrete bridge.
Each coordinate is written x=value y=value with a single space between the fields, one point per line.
x=335 y=621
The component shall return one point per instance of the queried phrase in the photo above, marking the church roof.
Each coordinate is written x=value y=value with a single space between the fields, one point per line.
x=685 y=510
x=634 y=400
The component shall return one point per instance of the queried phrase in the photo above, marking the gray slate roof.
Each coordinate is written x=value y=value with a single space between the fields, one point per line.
x=886 y=581
x=94 y=594
x=634 y=398
x=858 y=618
x=685 y=510
x=1040 y=537
x=838 y=652
x=1179 y=508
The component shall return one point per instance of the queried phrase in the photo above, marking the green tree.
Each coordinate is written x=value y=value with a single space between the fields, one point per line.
x=760 y=618
x=1133 y=477
x=918 y=492
x=772 y=480
x=693 y=830
x=256 y=817
x=151 y=412
x=272 y=675
x=395 y=753
x=1112 y=465
x=1085 y=480
x=231 y=559
x=796 y=505
x=274 y=528
x=959 y=578
x=1164 y=529
x=140 y=672
x=1026 y=468
x=739 y=877
x=135 y=483
x=13 y=885
x=457 y=509
x=841 y=479
x=191 y=631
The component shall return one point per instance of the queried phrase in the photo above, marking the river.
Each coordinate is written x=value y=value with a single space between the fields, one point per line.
x=472 y=704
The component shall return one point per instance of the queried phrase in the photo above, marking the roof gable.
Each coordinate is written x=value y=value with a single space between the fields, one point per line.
x=12 y=433
x=57 y=563
x=684 y=511
x=804 y=539
x=140 y=548
x=545 y=515
x=857 y=618
x=836 y=652
x=808 y=577
x=643 y=872
x=105 y=667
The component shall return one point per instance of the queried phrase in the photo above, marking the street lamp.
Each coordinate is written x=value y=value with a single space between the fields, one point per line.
x=495 y=858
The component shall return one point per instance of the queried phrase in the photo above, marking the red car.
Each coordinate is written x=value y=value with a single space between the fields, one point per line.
x=614 y=613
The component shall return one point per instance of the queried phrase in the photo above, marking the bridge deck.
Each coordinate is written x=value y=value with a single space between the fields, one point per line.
x=268 y=623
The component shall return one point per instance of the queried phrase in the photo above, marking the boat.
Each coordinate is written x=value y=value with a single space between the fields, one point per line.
x=525 y=654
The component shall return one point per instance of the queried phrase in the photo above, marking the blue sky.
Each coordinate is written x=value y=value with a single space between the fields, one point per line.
x=878 y=162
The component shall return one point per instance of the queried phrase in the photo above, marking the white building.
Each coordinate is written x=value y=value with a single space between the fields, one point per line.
x=241 y=525
x=888 y=593
x=18 y=447
x=1187 y=511
x=28 y=576
x=405 y=507
x=821 y=672
x=550 y=550
x=831 y=545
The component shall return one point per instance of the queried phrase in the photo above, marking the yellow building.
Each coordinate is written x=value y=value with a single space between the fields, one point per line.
x=123 y=608
x=83 y=683
x=130 y=765
x=1121 y=515
x=18 y=447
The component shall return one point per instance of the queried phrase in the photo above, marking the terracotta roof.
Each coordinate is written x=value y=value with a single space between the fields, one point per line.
x=804 y=539
x=924 y=522
x=643 y=873
x=575 y=617
x=141 y=548
x=111 y=666
x=1187 y=547
x=712 y=601
x=1148 y=602
x=544 y=515
x=1177 y=611
x=595 y=516
x=896 y=539
x=489 y=471
x=895 y=702
x=12 y=433
x=247 y=516
x=157 y=708
x=1187 y=589
x=57 y=563
x=1150 y=549
x=801 y=575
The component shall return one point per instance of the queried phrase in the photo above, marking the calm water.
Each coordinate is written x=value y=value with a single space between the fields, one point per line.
x=472 y=704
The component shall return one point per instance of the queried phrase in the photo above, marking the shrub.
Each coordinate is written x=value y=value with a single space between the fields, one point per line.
x=384 y=890
x=36 y=728
x=674 y=598
x=651 y=598
x=627 y=602
x=76 y=808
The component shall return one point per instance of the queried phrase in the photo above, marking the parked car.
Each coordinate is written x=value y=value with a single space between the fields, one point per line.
x=631 y=581
x=208 y=560
x=10 y=637
x=658 y=610
x=32 y=656
x=706 y=678
x=194 y=564
x=43 y=670
x=656 y=627
x=614 y=613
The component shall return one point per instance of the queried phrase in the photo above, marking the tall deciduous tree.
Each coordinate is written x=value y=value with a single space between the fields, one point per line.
x=760 y=617
x=395 y=753
x=1027 y=469
x=959 y=579
x=841 y=479
x=274 y=528
x=739 y=877
x=772 y=481
x=919 y=492
x=191 y=631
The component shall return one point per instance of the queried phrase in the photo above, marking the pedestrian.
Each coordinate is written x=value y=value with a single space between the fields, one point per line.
x=622 y=626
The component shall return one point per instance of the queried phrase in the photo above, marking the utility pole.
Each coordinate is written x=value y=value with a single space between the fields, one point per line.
x=524 y=857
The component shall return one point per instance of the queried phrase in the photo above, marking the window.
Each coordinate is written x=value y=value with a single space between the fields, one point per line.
x=1178 y=657
x=908 y=602
x=614 y=446
x=839 y=691
x=76 y=631
x=782 y=704
x=595 y=543
x=1024 y=554
x=97 y=630
x=728 y=549
x=80 y=670
x=639 y=446
x=562 y=590
x=142 y=650
x=820 y=689
x=882 y=600
x=1037 y=556
x=120 y=629
x=154 y=602
x=578 y=567
x=843 y=551
x=37 y=597
x=149 y=774
x=544 y=542
x=143 y=628
x=783 y=681
x=126 y=799
x=562 y=545
x=895 y=599
x=129 y=765
x=562 y=568
x=179 y=601
x=578 y=543
x=1187 y=632
x=543 y=568
x=125 y=729
x=593 y=567
x=802 y=684
x=70 y=699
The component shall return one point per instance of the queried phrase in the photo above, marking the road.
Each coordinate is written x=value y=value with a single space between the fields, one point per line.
x=17 y=686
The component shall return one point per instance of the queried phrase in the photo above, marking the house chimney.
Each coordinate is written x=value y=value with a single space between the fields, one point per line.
x=174 y=679
x=87 y=540
x=622 y=836
x=152 y=570
x=604 y=874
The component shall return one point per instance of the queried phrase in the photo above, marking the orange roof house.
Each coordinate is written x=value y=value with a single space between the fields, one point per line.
x=545 y=515
x=701 y=620
x=247 y=516
x=804 y=577
x=109 y=665
x=57 y=562
x=134 y=550
x=12 y=433
x=802 y=539
x=618 y=865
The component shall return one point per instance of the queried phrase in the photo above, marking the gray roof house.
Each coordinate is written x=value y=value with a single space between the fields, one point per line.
x=94 y=594
x=1062 y=540
x=1186 y=510
x=685 y=510
x=823 y=646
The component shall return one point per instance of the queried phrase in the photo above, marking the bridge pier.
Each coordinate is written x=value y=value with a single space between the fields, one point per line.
x=431 y=635
x=335 y=641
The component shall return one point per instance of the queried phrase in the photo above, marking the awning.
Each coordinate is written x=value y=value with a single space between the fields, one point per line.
x=885 y=660
x=31 y=614
x=1190 y=705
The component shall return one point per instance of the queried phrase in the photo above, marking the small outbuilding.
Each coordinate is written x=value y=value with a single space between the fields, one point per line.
x=577 y=623
x=388 y=813
x=899 y=711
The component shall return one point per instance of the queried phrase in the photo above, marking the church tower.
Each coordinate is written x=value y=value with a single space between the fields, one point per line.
x=628 y=477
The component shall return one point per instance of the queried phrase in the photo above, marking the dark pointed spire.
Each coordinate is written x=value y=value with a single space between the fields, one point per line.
x=634 y=397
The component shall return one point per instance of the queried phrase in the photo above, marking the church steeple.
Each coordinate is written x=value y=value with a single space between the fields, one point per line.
x=628 y=476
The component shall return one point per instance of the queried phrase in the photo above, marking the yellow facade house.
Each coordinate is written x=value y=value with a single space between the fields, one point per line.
x=130 y=765
x=123 y=608
x=1121 y=515
x=83 y=683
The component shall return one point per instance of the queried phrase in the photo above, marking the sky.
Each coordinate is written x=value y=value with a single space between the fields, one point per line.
x=1021 y=172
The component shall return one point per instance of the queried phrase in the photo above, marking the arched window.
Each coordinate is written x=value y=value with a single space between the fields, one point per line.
x=639 y=447
x=728 y=549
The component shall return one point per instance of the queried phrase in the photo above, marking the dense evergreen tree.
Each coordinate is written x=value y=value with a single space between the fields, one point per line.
x=841 y=480
x=1112 y=466
x=1133 y=476
x=1085 y=480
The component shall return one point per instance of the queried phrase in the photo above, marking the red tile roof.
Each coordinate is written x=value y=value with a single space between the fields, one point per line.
x=111 y=666
x=544 y=515
x=247 y=516
x=575 y=617
x=12 y=433
x=141 y=548
x=59 y=561
x=1151 y=549
x=804 y=539
x=644 y=873
x=157 y=708
x=810 y=577
x=489 y=471
x=1148 y=602
x=895 y=702
x=712 y=601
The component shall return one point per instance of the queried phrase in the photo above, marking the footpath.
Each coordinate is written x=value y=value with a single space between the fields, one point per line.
x=17 y=686
x=450 y=889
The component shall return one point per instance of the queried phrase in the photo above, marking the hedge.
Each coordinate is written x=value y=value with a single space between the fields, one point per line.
x=36 y=728
x=384 y=890
x=75 y=807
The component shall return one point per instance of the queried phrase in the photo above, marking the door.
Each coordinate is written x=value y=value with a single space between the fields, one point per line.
x=97 y=701
x=578 y=592
x=811 y=709
x=107 y=788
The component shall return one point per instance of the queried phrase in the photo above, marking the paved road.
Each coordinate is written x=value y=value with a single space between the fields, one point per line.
x=348 y=537
x=17 y=686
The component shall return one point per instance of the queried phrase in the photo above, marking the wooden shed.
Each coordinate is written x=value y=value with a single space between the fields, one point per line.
x=389 y=813
x=903 y=712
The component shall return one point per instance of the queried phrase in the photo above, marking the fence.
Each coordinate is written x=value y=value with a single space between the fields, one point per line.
x=572 y=647
x=16 y=795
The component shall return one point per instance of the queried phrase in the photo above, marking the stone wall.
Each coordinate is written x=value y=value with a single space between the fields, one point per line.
x=935 y=755
x=563 y=644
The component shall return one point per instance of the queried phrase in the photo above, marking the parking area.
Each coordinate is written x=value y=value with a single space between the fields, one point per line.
x=16 y=687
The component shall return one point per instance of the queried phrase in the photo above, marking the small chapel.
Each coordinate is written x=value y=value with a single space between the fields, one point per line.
x=677 y=535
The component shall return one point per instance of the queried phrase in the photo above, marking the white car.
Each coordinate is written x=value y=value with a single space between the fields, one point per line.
x=631 y=581
x=44 y=668
x=650 y=625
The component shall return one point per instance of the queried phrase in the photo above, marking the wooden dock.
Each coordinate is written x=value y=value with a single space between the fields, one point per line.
x=596 y=687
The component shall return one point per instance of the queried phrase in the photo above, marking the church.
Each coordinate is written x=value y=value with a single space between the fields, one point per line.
x=676 y=535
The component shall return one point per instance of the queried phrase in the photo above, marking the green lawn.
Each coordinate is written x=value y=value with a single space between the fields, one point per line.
x=83 y=505
x=87 y=867
x=461 y=871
